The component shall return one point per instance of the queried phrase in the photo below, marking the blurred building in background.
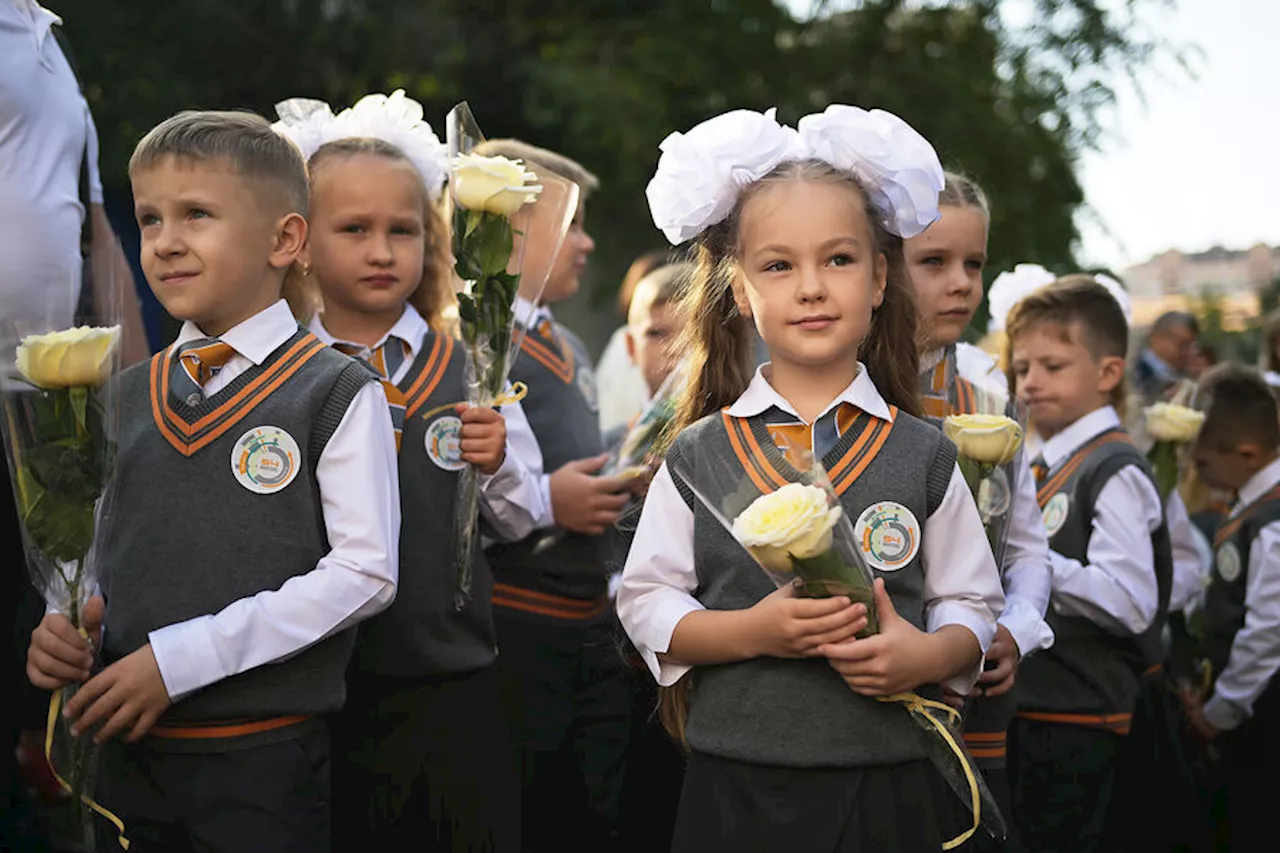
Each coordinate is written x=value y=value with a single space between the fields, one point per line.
x=1179 y=281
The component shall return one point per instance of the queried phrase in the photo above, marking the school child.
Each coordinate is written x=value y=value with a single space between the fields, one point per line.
x=1238 y=450
x=564 y=686
x=377 y=258
x=621 y=387
x=945 y=264
x=655 y=765
x=789 y=747
x=258 y=516
x=1110 y=559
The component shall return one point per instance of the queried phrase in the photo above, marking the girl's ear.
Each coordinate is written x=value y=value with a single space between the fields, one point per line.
x=881 y=279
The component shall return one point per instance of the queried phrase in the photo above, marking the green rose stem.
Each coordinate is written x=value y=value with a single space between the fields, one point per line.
x=1163 y=457
x=828 y=575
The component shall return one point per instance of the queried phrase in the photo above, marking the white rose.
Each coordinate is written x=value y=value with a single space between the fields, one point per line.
x=794 y=521
x=992 y=439
x=701 y=173
x=72 y=357
x=492 y=184
x=899 y=167
x=1170 y=422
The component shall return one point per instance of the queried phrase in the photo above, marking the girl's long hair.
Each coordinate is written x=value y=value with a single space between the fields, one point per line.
x=719 y=342
x=434 y=293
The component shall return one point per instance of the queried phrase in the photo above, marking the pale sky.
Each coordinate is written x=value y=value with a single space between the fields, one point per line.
x=1196 y=166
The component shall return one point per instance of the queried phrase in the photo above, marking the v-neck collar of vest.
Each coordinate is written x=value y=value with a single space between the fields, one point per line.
x=553 y=354
x=1056 y=479
x=190 y=428
x=769 y=469
x=1231 y=525
x=420 y=382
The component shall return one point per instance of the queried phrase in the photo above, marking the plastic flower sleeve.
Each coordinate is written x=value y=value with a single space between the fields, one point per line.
x=60 y=423
x=796 y=534
x=508 y=223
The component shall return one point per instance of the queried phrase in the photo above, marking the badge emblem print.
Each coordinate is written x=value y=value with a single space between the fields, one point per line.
x=888 y=534
x=265 y=459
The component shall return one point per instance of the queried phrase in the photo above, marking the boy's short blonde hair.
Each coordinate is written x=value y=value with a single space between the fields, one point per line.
x=532 y=155
x=663 y=286
x=271 y=165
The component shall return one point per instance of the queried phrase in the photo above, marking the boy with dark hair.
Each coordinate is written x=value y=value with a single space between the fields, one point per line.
x=1238 y=450
x=258 y=508
x=1110 y=560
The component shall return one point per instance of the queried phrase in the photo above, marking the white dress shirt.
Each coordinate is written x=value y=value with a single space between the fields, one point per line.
x=1117 y=587
x=961 y=584
x=1026 y=574
x=623 y=391
x=1255 y=651
x=1191 y=556
x=511 y=500
x=360 y=498
x=44 y=129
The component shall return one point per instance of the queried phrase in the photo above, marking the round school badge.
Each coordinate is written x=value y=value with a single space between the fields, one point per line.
x=1228 y=562
x=587 y=386
x=889 y=535
x=265 y=459
x=1055 y=513
x=444 y=443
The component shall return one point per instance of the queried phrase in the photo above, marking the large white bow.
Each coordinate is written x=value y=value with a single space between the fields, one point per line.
x=393 y=118
x=701 y=173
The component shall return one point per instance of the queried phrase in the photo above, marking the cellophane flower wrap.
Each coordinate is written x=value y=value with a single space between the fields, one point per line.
x=639 y=447
x=989 y=441
x=1171 y=427
x=800 y=534
x=508 y=223
x=60 y=425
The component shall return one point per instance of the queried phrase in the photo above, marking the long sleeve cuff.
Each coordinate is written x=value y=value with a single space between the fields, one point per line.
x=1223 y=715
x=978 y=621
x=1028 y=629
x=186 y=656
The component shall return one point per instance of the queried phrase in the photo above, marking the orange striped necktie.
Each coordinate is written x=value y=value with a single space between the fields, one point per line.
x=198 y=361
x=1039 y=469
x=391 y=354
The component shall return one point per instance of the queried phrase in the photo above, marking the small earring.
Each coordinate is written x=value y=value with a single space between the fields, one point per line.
x=306 y=270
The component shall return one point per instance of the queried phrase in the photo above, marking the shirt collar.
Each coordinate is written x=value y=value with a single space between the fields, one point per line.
x=529 y=315
x=1077 y=435
x=931 y=359
x=1159 y=365
x=255 y=338
x=1258 y=485
x=410 y=328
x=37 y=17
x=760 y=397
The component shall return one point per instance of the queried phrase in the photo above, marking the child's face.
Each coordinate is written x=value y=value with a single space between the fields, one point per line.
x=366 y=245
x=651 y=343
x=565 y=268
x=1058 y=378
x=212 y=250
x=945 y=263
x=1225 y=469
x=810 y=275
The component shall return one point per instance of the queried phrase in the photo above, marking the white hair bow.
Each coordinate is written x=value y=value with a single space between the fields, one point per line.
x=393 y=118
x=1012 y=287
x=701 y=173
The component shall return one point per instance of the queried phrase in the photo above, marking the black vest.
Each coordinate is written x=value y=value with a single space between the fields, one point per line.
x=1225 y=600
x=1089 y=670
x=197 y=532
x=421 y=634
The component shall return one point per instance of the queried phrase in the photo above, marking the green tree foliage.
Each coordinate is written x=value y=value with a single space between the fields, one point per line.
x=606 y=80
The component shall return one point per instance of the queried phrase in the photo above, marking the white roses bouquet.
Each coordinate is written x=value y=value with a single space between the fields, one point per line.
x=1172 y=426
x=797 y=533
x=60 y=430
x=500 y=208
x=986 y=445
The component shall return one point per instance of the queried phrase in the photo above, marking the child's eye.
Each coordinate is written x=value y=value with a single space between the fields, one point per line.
x=932 y=261
x=777 y=266
x=147 y=219
x=351 y=229
x=405 y=230
x=841 y=260
x=198 y=213
x=974 y=265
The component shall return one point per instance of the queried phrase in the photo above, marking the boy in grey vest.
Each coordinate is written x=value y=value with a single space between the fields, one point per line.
x=1110 y=561
x=558 y=646
x=256 y=517
x=1238 y=451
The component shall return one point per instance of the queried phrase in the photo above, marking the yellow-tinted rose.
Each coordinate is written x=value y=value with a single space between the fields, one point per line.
x=794 y=521
x=1170 y=422
x=492 y=184
x=991 y=439
x=72 y=357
